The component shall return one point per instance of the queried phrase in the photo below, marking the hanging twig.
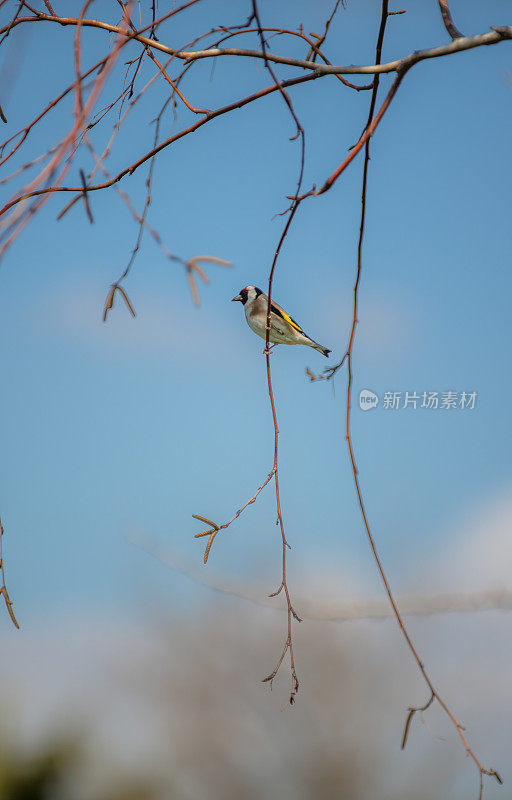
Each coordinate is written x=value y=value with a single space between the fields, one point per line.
x=330 y=372
x=3 y=588
x=448 y=22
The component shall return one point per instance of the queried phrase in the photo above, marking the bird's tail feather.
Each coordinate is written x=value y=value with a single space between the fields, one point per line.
x=325 y=352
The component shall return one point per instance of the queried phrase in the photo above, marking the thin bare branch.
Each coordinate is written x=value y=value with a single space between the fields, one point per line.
x=214 y=528
x=314 y=48
x=321 y=39
x=131 y=169
x=401 y=67
x=86 y=199
x=348 y=358
x=288 y=645
x=457 y=45
x=3 y=588
x=447 y=19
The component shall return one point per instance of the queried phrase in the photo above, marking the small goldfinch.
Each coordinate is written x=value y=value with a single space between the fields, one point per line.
x=283 y=328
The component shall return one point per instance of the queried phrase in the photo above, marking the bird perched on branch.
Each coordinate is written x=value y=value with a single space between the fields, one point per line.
x=283 y=328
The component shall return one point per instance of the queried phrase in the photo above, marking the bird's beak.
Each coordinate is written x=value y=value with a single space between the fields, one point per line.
x=238 y=297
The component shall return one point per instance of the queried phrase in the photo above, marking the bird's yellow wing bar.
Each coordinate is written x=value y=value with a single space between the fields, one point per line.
x=281 y=313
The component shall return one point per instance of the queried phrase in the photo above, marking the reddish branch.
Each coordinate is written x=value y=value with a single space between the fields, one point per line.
x=448 y=22
x=348 y=358
x=131 y=169
x=162 y=69
x=400 y=67
x=288 y=645
x=214 y=528
x=23 y=133
x=3 y=588
x=368 y=132
x=65 y=147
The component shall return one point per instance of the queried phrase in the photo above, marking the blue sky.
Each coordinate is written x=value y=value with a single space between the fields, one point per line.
x=138 y=424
